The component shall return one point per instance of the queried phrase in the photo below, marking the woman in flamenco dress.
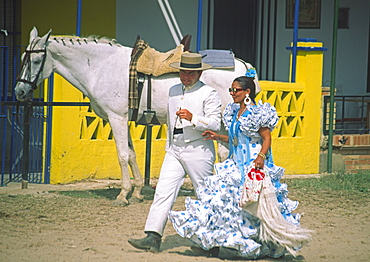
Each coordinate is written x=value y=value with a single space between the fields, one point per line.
x=234 y=215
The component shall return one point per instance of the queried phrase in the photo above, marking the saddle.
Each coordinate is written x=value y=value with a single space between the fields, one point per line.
x=155 y=63
x=147 y=61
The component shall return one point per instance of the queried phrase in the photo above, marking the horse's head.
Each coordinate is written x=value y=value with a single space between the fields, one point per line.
x=33 y=62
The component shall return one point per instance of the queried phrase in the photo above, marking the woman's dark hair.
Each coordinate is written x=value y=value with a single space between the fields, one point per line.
x=247 y=83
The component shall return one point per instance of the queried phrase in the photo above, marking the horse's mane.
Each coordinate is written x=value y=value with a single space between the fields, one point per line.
x=80 y=40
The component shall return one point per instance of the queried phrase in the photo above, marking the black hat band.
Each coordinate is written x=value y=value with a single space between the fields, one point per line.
x=190 y=65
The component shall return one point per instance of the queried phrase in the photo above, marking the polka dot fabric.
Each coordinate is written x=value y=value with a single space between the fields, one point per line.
x=216 y=219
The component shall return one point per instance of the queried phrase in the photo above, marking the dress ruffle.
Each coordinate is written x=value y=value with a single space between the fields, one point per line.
x=215 y=219
x=261 y=115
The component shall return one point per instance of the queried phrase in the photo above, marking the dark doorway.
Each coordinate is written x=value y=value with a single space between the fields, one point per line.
x=235 y=27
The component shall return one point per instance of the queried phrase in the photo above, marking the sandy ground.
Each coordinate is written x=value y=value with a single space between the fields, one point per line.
x=38 y=224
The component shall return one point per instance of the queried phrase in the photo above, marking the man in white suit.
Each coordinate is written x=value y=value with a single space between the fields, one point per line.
x=193 y=107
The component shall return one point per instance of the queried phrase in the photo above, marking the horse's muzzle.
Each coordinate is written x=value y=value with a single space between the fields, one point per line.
x=22 y=93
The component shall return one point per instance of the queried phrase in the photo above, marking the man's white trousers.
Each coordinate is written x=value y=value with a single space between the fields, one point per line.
x=194 y=159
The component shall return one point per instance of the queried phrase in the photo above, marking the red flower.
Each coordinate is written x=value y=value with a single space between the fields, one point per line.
x=256 y=174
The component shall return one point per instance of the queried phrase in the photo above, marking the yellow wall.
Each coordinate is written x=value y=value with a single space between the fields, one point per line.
x=75 y=156
x=82 y=144
x=295 y=144
x=296 y=140
x=289 y=138
x=98 y=17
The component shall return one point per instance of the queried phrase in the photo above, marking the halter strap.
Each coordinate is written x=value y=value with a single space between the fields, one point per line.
x=27 y=61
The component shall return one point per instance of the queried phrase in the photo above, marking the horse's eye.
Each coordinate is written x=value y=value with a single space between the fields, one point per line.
x=37 y=60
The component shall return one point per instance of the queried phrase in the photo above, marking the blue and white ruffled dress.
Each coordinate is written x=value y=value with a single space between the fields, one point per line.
x=215 y=219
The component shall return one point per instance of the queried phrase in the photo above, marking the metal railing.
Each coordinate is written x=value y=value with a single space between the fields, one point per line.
x=16 y=126
x=351 y=114
x=12 y=135
x=14 y=131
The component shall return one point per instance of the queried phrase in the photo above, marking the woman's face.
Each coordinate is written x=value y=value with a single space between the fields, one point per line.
x=237 y=93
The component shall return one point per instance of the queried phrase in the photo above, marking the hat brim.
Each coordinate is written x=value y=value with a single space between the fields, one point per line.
x=177 y=65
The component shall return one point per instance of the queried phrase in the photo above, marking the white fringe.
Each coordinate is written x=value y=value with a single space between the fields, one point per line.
x=274 y=228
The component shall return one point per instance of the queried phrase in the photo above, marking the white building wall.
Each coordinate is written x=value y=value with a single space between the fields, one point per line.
x=145 y=17
x=352 y=45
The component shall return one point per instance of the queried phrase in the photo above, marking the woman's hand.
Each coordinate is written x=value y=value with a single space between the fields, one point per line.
x=259 y=162
x=210 y=135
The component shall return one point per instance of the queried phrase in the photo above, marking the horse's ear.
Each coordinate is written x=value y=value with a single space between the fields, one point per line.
x=33 y=34
x=49 y=33
x=45 y=38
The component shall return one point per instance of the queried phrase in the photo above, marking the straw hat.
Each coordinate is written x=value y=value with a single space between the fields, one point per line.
x=191 y=61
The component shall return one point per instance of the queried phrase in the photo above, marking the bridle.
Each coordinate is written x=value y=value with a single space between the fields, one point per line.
x=27 y=64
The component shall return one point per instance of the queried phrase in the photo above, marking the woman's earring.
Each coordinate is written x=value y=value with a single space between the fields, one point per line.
x=247 y=100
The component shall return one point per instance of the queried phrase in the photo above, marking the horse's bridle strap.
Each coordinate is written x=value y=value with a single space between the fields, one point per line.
x=36 y=51
x=27 y=59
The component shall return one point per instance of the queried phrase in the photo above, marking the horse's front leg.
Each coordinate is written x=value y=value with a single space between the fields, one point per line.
x=120 y=131
x=137 y=181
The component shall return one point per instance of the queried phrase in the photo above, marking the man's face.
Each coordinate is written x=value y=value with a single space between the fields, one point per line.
x=189 y=77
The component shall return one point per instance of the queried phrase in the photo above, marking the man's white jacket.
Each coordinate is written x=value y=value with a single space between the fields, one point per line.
x=202 y=101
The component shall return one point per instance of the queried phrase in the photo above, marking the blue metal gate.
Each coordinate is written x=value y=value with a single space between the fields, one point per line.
x=12 y=135
x=12 y=126
x=25 y=147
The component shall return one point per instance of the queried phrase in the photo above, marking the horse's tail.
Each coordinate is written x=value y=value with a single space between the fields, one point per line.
x=249 y=66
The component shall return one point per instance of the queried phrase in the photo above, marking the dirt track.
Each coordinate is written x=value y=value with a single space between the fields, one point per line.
x=37 y=225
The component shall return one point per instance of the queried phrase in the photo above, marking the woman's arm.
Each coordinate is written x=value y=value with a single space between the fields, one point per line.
x=214 y=136
x=266 y=143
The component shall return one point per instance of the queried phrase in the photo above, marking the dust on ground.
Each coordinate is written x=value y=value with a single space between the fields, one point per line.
x=39 y=224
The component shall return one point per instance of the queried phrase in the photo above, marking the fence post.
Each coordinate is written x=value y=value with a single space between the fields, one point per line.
x=26 y=144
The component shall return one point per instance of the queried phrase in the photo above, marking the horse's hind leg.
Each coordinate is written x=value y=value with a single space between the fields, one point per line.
x=137 y=181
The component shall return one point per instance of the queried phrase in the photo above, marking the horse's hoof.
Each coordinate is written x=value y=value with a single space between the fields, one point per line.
x=133 y=200
x=121 y=203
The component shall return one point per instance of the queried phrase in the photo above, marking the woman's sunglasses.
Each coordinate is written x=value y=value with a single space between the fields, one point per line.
x=234 y=90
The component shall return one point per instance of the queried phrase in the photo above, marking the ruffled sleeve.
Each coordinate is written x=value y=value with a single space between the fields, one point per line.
x=229 y=112
x=261 y=115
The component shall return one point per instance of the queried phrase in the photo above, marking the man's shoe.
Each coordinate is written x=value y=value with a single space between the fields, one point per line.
x=151 y=242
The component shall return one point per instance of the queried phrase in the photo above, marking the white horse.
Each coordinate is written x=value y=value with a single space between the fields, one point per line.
x=100 y=69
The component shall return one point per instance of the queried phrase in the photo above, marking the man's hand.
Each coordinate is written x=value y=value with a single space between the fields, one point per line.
x=184 y=114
